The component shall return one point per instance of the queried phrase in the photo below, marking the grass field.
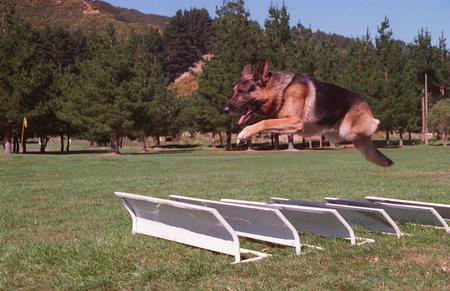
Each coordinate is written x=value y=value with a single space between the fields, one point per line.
x=62 y=228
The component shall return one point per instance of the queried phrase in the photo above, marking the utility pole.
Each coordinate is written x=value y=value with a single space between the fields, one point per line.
x=425 y=122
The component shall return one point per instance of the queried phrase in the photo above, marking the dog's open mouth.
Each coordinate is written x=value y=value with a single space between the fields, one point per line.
x=246 y=113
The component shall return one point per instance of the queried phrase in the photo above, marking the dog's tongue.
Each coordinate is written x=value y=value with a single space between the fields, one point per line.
x=242 y=119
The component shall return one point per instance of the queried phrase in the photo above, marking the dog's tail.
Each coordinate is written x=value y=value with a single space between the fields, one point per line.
x=365 y=145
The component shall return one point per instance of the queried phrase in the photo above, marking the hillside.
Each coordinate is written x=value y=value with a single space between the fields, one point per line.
x=87 y=15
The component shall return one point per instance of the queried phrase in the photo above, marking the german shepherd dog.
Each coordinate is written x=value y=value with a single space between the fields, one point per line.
x=296 y=103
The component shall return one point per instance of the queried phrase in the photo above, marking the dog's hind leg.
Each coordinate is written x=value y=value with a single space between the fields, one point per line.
x=365 y=145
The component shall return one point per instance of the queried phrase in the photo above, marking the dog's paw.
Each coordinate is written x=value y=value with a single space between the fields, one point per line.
x=243 y=136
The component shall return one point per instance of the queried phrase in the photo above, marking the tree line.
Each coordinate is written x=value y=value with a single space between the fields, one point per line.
x=106 y=86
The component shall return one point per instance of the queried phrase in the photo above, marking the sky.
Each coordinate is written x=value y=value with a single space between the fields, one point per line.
x=346 y=17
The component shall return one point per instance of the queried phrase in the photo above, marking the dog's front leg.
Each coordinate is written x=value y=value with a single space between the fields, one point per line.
x=281 y=125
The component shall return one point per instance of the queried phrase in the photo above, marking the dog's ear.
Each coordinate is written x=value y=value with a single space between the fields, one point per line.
x=247 y=73
x=262 y=73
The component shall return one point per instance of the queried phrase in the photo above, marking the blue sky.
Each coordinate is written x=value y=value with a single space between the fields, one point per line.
x=345 y=17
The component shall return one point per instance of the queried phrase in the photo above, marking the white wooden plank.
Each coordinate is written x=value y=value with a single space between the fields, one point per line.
x=189 y=224
x=251 y=221
x=372 y=219
x=400 y=212
x=442 y=209
x=325 y=222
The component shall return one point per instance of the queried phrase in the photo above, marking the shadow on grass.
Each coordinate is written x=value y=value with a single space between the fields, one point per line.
x=161 y=152
x=76 y=152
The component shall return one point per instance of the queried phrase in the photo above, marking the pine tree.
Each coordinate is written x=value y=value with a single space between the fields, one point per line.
x=277 y=37
x=442 y=67
x=148 y=81
x=237 y=42
x=24 y=76
x=422 y=53
x=301 y=51
x=102 y=94
x=384 y=48
x=187 y=37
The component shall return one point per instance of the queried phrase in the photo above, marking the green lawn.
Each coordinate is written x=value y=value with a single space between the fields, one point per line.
x=62 y=228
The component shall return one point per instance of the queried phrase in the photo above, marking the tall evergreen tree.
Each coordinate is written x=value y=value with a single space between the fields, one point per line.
x=277 y=37
x=187 y=37
x=301 y=52
x=237 y=42
x=24 y=77
x=384 y=105
x=442 y=67
x=102 y=95
x=422 y=53
x=148 y=82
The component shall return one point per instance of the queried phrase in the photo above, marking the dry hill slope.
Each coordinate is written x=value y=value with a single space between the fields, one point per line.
x=87 y=15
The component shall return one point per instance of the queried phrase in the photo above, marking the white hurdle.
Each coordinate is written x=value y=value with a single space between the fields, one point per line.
x=193 y=225
x=400 y=212
x=442 y=209
x=253 y=222
x=372 y=219
x=322 y=221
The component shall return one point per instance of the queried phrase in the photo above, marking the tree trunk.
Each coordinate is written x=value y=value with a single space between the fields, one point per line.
x=321 y=142
x=388 y=138
x=158 y=141
x=121 y=142
x=15 y=144
x=400 y=137
x=409 y=137
x=276 y=141
x=44 y=142
x=62 y=142
x=144 y=144
x=291 y=142
x=444 y=138
x=68 y=143
x=7 y=141
x=228 y=139
x=249 y=145
x=221 y=138
x=115 y=144
x=310 y=143
x=213 y=140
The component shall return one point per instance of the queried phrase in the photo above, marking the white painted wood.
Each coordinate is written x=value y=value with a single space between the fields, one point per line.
x=400 y=212
x=189 y=224
x=322 y=221
x=254 y=222
x=372 y=219
x=442 y=209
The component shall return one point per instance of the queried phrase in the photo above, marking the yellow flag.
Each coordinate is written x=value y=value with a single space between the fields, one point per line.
x=25 y=122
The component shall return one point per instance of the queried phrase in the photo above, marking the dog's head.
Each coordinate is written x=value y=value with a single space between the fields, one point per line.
x=248 y=93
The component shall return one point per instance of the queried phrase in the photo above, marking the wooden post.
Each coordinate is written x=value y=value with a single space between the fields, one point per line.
x=426 y=108
x=291 y=142
x=423 y=117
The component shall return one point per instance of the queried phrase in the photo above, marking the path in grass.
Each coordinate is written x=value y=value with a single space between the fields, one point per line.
x=61 y=226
